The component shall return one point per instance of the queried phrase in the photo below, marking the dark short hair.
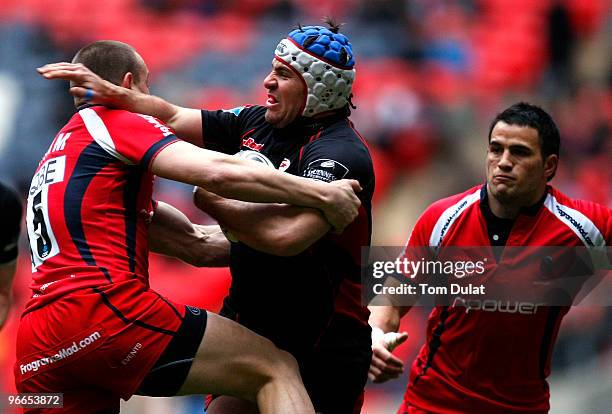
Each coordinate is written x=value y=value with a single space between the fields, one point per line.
x=528 y=115
x=110 y=60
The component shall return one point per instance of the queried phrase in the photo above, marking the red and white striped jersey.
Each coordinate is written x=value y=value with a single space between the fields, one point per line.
x=90 y=203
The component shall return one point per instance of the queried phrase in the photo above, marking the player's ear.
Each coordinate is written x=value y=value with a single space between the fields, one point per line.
x=550 y=166
x=128 y=80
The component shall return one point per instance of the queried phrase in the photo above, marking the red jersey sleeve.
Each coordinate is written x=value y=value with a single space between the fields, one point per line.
x=601 y=217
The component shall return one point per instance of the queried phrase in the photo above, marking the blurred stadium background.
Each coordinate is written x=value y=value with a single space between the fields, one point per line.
x=430 y=76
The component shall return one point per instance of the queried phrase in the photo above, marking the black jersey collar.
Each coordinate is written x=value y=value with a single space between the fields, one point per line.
x=528 y=211
x=307 y=126
x=86 y=105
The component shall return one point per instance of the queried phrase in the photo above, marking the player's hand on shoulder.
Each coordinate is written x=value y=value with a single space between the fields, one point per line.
x=344 y=204
x=85 y=83
x=384 y=365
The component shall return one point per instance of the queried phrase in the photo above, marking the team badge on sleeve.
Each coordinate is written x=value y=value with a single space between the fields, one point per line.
x=325 y=170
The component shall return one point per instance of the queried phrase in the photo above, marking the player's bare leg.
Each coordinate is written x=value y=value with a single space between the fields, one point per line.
x=234 y=361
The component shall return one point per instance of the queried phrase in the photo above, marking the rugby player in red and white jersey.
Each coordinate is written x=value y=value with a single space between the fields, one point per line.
x=93 y=329
x=486 y=361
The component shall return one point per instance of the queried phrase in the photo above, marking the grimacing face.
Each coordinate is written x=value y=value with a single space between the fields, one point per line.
x=286 y=95
x=516 y=169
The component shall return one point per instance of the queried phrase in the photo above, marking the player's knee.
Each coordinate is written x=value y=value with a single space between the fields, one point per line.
x=278 y=365
x=274 y=358
x=269 y=369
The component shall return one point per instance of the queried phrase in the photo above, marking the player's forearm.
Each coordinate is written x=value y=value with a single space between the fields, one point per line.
x=278 y=229
x=243 y=220
x=171 y=233
x=238 y=179
x=224 y=210
x=282 y=229
x=232 y=177
x=242 y=180
x=144 y=104
x=186 y=122
x=217 y=248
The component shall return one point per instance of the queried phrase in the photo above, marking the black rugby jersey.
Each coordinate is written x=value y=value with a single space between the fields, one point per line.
x=291 y=300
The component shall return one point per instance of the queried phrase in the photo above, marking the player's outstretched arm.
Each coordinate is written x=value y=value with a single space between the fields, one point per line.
x=231 y=177
x=186 y=122
x=278 y=229
x=171 y=233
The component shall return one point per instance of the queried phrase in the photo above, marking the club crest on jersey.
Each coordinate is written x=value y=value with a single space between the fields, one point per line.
x=250 y=143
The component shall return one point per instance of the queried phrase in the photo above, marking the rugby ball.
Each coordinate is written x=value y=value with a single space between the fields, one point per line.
x=254 y=156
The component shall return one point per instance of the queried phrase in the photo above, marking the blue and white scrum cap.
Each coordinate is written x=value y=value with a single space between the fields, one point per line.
x=324 y=59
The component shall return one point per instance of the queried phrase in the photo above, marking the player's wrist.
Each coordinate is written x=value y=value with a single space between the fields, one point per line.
x=389 y=339
x=321 y=196
x=377 y=335
x=383 y=320
x=124 y=98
